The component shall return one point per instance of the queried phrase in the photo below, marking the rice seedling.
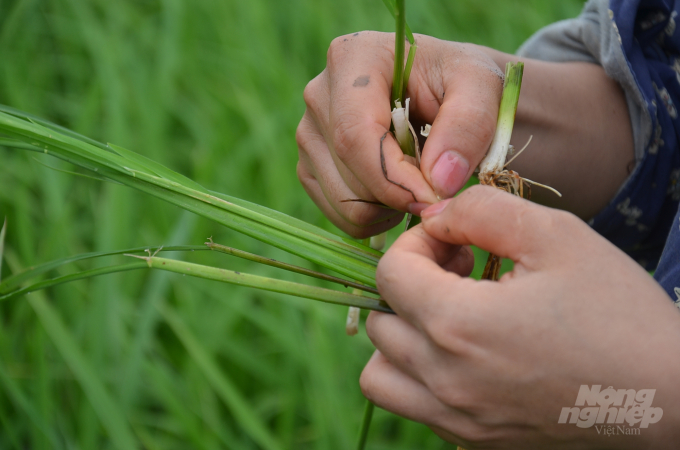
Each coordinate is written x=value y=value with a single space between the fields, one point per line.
x=492 y=169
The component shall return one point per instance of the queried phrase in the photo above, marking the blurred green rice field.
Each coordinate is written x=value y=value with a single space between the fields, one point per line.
x=212 y=89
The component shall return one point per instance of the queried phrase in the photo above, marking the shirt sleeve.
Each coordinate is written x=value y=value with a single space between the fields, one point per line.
x=636 y=43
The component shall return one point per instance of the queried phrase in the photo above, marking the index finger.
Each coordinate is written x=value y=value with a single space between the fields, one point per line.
x=410 y=277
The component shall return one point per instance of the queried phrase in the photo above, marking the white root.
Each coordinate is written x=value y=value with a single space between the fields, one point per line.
x=352 y=324
x=544 y=186
x=353 y=318
x=519 y=152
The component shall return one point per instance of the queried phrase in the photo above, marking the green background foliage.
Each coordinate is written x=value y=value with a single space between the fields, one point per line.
x=213 y=89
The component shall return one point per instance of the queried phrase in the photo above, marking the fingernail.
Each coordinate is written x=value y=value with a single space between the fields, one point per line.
x=416 y=208
x=448 y=174
x=434 y=209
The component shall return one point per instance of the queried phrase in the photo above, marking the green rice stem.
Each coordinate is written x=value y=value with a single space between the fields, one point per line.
x=17 y=279
x=286 y=266
x=495 y=158
x=3 y=233
x=409 y=65
x=365 y=425
x=73 y=277
x=267 y=284
x=399 y=49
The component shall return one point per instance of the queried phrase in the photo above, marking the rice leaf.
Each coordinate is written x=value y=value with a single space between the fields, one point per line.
x=156 y=168
x=266 y=284
x=351 y=260
x=223 y=386
x=3 y=232
x=73 y=277
x=104 y=404
x=392 y=8
x=92 y=177
x=23 y=405
x=285 y=266
x=216 y=274
x=352 y=245
x=15 y=280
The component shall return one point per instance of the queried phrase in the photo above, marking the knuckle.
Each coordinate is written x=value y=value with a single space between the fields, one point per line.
x=475 y=434
x=486 y=125
x=478 y=125
x=312 y=91
x=344 y=138
x=441 y=334
x=449 y=394
x=447 y=332
x=304 y=175
x=385 y=273
x=474 y=199
x=532 y=218
x=357 y=232
x=361 y=215
x=306 y=135
x=301 y=135
x=372 y=327
x=368 y=383
x=335 y=49
x=353 y=231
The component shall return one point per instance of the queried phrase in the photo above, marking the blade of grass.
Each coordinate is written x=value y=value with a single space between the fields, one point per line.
x=409 y=65
x=155 y=168
x=391 y=7
x=295 y=222
x=315 y=240
x=350 y=260
x=152 y=167
x=3 y=232
x=73 y=277
x=290 y=267
x=91 y=177
x=217 y=274
x=223 y=386
x=267 y=284
x=156 y=291
x=11 y=433
x=15 y=280
x=103 y=403
x=399 y=48
x=23 y=404
x=365 y=425
x=284 y=218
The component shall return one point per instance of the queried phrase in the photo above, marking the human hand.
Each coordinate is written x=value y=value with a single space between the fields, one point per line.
x=491 y=364
x=455 y=87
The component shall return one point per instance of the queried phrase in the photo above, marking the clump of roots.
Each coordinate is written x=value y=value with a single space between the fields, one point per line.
x=508 y=181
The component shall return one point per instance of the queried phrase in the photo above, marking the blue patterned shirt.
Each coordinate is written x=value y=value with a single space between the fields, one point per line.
x=637 y=42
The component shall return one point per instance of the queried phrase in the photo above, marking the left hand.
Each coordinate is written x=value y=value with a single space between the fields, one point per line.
x=492 y=364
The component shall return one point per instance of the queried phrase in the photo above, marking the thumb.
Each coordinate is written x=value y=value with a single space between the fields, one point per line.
x=464 y=126
x=497 y=222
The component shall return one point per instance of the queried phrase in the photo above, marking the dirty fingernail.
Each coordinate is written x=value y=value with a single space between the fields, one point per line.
x=449 y=173
x=434 y=209
x=416 y=208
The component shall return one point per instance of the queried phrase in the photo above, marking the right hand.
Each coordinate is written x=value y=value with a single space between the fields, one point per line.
x=493 y=364
x=455 y=87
